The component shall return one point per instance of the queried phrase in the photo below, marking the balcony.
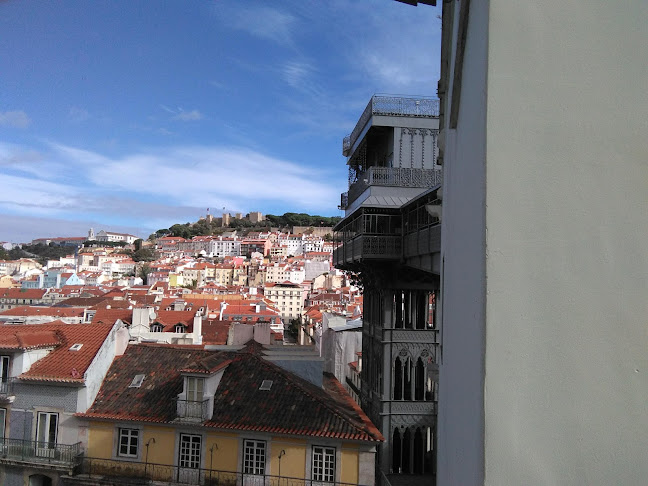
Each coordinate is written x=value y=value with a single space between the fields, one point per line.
x=6 y=389
x=368 y=247
x=390 y=106
x=108 y=471
x=192 y=410
x=390 y=177
x=371 y=234
x=36 y=452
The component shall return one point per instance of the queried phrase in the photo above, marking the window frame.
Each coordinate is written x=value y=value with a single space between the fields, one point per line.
x=192 y=451
x=5 y=369
x=326 y=470
x=116 y=441
x=195 y=393
x=137 y=437
x=252 y=466
x=47 y=416
x=3 y=423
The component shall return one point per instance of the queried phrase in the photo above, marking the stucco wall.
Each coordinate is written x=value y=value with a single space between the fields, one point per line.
x=566 y=366
x=460 y=429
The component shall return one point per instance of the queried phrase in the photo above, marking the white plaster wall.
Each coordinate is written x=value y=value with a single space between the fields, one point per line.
x=97 y=370
x=566 y=365
x=460 y=428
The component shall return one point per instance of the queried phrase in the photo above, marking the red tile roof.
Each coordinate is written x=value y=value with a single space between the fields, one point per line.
x=61 y=364
x=27 y=310
x=110 y=316
x=292 y=406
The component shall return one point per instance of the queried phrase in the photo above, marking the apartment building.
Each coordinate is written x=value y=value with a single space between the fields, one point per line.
x=190 y=416
x=287 y=297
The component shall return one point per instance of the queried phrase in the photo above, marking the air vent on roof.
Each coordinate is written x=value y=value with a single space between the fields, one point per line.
x=76 y=347
x=266 y=385
x=137 y=381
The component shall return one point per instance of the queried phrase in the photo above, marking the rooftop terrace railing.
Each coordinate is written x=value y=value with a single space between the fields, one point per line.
x=192 y=409
x=6 y=387
x=39 y=452
x=126 y=472
x=390 y=176
x=391 y=106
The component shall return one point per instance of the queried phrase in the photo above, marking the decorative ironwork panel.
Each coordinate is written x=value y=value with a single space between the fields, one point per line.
x=414 y=408
x=409 y=420
x=390 y=106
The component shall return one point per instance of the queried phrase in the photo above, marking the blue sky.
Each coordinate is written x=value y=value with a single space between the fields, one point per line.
x=134 y=115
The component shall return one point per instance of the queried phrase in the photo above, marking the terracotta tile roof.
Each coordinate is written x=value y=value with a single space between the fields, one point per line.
x=292 y=406
x=215 y=332
x=20 y=338
x=168 y=319
x=110 y=316
x=61 y=364
x=22 y=293
x=28 y=310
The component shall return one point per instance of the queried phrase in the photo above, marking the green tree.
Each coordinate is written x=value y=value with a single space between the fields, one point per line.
x=143 y=272
x=144 y=255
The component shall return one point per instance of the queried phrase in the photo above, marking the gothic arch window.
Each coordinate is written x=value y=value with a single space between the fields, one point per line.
x=407 y=309
x=403 y=379
x=407 y=452
x=398 y=380
x=396 y=451
x=419 y=452
x=419 y=380
x=397 y=317
x=407 y=379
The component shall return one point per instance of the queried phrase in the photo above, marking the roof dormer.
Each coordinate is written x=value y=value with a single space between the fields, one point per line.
x=200 y=382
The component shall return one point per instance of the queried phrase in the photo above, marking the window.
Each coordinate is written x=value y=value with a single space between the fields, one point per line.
x=4 y=368
x=255 y=457
x=190 y=446
x=3 y=423
x=157 y=328
x=137 y=381
x=323 y=463
x=128 y=442
x=195 y=388
x=46 y=430
x=179 y=328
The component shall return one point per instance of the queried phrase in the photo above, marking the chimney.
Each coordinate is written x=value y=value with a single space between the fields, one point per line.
x=197 y=328
x=222 y=309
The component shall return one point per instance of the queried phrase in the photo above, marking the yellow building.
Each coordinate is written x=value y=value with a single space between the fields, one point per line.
x=192 y=416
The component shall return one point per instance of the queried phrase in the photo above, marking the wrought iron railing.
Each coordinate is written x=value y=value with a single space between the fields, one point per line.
x=390 y=106
x=368 y=247
x=6 y=387
x=40 y=452
x=192 y=409
x=124 y=472
x=395 y=177
x=344 y=200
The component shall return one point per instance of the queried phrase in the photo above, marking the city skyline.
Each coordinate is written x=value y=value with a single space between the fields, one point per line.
x=136 y=117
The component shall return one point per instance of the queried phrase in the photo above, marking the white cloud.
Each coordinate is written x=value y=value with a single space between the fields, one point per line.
x=206 y=176
x=78 y=115
x=24 y=229
x=264 y=22
x=182 y=115
x=17 y=119
x=192 y=115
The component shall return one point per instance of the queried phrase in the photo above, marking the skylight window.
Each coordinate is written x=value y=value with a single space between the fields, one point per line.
x=266 y=385
x=137 y=381
x=76 y=347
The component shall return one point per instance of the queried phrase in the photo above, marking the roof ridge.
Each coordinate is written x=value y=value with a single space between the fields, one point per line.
x=299 y=381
